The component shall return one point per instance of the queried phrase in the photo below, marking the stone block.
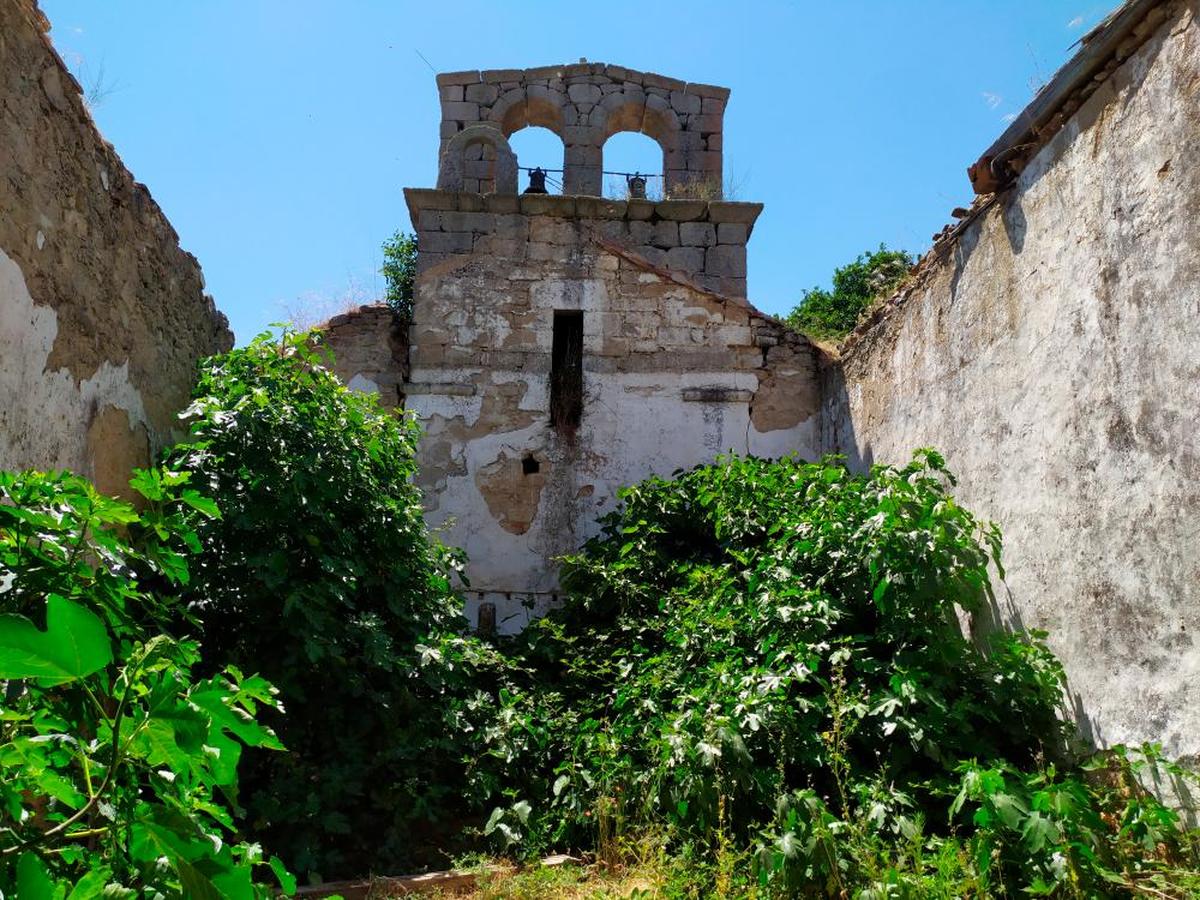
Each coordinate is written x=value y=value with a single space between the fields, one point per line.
x=503 y=203
x=681 y=210
x=712 y=106
x=451 y=78
x=714 y=142
x=469 y=202
x=653 y=255
x=495 y=76
x=428 y=198
x=462 y=111
x=584 y=93
x=725 y=260
x=697 y=234
x=449 y=129
x=658 y=103
x=704 y=161
x=685 y=104
x=539 y=252
x=446 y=242
x=639 y=210
x=709 y=90
x=482 y=93
x=580 y=134
x=479 y=222
x=730 y=211
x=641 y=232
x=548 y=230
x=599 y=208
x=666 y=234
x=451 y=93
x=652 y=79
x=541 y=72
x=732 y=233
x=547 y=205
x=429 y=220
x=732 y=335
x=686 y=259
x=706 y=124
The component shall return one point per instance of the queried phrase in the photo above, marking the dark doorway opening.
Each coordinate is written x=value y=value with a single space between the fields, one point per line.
x=566 y=370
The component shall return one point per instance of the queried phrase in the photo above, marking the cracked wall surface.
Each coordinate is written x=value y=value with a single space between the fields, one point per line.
x=1051 y=354
x=102 y=316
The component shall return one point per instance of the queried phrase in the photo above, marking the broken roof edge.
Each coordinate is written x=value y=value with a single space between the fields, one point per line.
x=1102 y=49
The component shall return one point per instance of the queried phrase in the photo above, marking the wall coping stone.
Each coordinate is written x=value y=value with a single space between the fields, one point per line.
x=570 y=207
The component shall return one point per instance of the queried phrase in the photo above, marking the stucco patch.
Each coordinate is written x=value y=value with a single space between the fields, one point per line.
x=512 y=494
x=783 y=400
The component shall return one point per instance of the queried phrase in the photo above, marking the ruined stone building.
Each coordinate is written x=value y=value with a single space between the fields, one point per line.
x=1048 y=344
x=565 y=346
x=102 y=316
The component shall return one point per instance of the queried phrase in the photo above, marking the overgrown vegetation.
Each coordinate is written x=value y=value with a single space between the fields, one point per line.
x=757 y=685
x=399 y=273
x=832 y=314
x=321 y=575
x=118 y=763
x=761 y=661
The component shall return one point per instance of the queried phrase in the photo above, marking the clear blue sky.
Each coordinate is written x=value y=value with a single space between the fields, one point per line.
x=277 y=136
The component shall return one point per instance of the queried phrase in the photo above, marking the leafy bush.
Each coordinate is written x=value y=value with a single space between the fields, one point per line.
x=399 y=272
x=118 y=767
x=321 y=575
x=833 y=314
x=767 y=654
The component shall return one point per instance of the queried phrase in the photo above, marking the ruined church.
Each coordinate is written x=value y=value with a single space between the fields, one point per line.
x=565 y=345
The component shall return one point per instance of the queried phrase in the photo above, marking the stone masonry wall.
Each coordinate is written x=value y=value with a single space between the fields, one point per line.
x=674 y=373
x=102 y=316
x=370 y=352
x=585 y=104
x=1050 y=352
x=706 y=242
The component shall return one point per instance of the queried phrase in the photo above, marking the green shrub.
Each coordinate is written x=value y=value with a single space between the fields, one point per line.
x=833 y=314
x=321 y=575
x=767 y=655
x=118 y=766
x=399 y=272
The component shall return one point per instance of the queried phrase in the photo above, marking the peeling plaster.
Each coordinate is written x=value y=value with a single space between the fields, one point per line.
x=49 y=428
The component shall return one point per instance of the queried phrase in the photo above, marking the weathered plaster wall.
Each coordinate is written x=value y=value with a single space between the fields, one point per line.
x=674 y=374
x=1052 y=354
x=102 y=315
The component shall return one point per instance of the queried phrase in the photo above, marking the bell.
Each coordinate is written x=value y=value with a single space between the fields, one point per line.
x=537 y=182
x=637 y=187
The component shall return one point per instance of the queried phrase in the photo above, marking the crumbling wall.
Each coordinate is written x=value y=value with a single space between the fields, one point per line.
x=1050 y=351
x=102 y=316
x=674 y=372
x=370 y=348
